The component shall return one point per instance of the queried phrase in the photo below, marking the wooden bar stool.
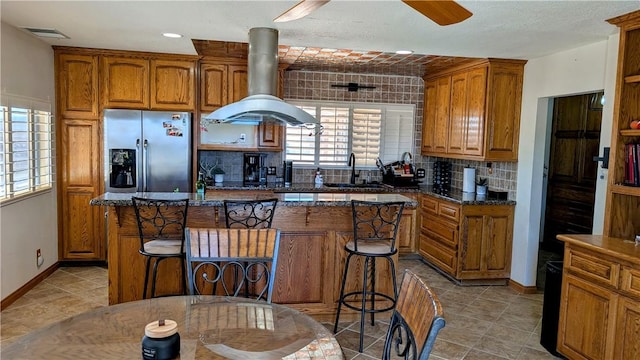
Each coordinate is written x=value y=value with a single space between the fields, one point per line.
x=375 y=226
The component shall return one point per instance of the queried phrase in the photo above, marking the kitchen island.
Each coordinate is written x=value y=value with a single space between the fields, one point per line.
x=314 y=229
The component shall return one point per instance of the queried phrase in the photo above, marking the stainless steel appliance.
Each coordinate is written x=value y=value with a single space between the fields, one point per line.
x=254 y=173
x=147 y=151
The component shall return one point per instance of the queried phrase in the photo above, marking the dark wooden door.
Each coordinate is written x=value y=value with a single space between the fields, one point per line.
x=572 y=172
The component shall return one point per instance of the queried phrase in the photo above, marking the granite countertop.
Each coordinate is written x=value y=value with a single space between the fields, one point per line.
x=454 y=194
x=213 y=198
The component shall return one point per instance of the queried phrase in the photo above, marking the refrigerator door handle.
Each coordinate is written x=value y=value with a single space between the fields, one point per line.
x=145 y=164
x=139 y=165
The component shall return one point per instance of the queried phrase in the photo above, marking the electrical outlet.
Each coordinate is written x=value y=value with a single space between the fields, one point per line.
x=39 y=258
x=243 y=137
x=271 y=170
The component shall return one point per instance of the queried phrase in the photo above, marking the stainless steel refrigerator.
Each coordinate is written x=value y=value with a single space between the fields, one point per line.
x=147 y=151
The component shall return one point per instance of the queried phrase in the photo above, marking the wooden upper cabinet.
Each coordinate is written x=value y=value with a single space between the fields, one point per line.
x=222 y=83
x=474 y=111
x=429 y=117
x=213 y=86
x=173 y=85
x=503 y=113
x=77 y=81
x=270 y=136
x=140 y=83
x=475 y=114
x=442 y=114
x=458 y=115
x=125 y=83
x=238 y=79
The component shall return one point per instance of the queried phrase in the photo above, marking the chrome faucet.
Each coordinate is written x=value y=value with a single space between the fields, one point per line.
x=352 y=163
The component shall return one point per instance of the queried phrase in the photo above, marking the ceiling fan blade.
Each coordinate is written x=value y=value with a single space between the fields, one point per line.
x=300 y=10
x=442 y=12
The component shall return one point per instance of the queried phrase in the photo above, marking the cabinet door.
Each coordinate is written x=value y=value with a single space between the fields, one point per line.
x=429 y=118
x=475 y=115
x=458 y=114
x=405 y=237
x=312 y=256
x=627 y=338
x=485 y=242
x=82 y=225
x=441 y=125
x=270 y=137
x=125 y=83
x=505 y=96
x=173 y=85
x=77 y=86
x=238 y=82
x=587 y=320
x=213 y=86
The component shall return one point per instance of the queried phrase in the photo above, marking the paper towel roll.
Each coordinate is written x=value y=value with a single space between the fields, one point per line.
x=469 y=180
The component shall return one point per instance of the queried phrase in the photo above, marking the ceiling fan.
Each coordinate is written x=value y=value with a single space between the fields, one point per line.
x=442 y=12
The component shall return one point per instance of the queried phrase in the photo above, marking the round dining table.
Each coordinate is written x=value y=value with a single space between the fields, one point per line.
x=210 y=327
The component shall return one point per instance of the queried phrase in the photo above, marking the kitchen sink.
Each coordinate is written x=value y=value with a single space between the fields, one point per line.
x=347 y=185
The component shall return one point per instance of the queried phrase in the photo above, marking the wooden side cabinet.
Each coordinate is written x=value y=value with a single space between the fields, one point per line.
x=469 y=242
x=600 y=298
x=82 y=231
x=78 y=170
x=580 y=337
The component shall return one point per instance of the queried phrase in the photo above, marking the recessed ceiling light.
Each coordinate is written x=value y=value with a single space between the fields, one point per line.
x=404 y=52
x=172 y=35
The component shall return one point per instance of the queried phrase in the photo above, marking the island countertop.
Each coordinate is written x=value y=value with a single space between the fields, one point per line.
x=214 y=198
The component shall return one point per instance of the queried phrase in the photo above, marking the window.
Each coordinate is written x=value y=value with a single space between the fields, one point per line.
x=368 y=130
x=26 y=142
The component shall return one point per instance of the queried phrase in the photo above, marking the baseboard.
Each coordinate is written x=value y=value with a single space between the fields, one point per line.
x=28 y=286
x=519 y=288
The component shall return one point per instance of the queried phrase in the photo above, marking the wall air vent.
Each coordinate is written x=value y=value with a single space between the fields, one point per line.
x=46 y=33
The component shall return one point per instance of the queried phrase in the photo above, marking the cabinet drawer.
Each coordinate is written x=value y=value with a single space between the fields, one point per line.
x=439 y=254
x=441 y=230
x=449 y=211
x=630 y=281
x=593 y=267
x=429 y=205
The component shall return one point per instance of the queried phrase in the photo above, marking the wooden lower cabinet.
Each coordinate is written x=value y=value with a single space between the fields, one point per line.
x=587 y=320
x=600 y=299
x=468 y=242
x=627 y=332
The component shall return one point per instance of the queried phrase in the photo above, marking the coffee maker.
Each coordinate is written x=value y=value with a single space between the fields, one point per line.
x=254 y=173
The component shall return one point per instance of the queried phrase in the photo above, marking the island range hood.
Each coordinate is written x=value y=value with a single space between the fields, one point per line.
x=262 y=105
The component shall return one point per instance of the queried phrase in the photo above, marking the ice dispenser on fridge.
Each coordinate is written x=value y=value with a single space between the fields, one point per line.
x=122 y=168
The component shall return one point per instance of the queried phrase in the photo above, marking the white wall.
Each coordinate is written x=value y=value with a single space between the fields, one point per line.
x=576 y=71
x=27 y=70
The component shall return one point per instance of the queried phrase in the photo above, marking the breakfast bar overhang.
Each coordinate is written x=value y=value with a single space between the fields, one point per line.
x=314 y=229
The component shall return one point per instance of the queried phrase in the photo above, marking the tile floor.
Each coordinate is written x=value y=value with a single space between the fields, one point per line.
x=483 y=322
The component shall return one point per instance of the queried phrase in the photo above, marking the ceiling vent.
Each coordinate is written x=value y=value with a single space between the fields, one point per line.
x=46 y=33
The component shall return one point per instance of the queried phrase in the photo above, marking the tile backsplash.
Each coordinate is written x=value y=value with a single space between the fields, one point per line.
x=391 y=89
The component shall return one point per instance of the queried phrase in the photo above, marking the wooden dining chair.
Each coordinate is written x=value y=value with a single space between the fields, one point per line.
x=232 y=262
x=415 y=322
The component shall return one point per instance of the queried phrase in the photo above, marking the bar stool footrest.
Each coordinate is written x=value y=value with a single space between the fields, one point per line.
x=367 y=310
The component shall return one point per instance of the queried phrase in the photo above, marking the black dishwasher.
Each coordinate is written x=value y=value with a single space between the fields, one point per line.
x=551 y=307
